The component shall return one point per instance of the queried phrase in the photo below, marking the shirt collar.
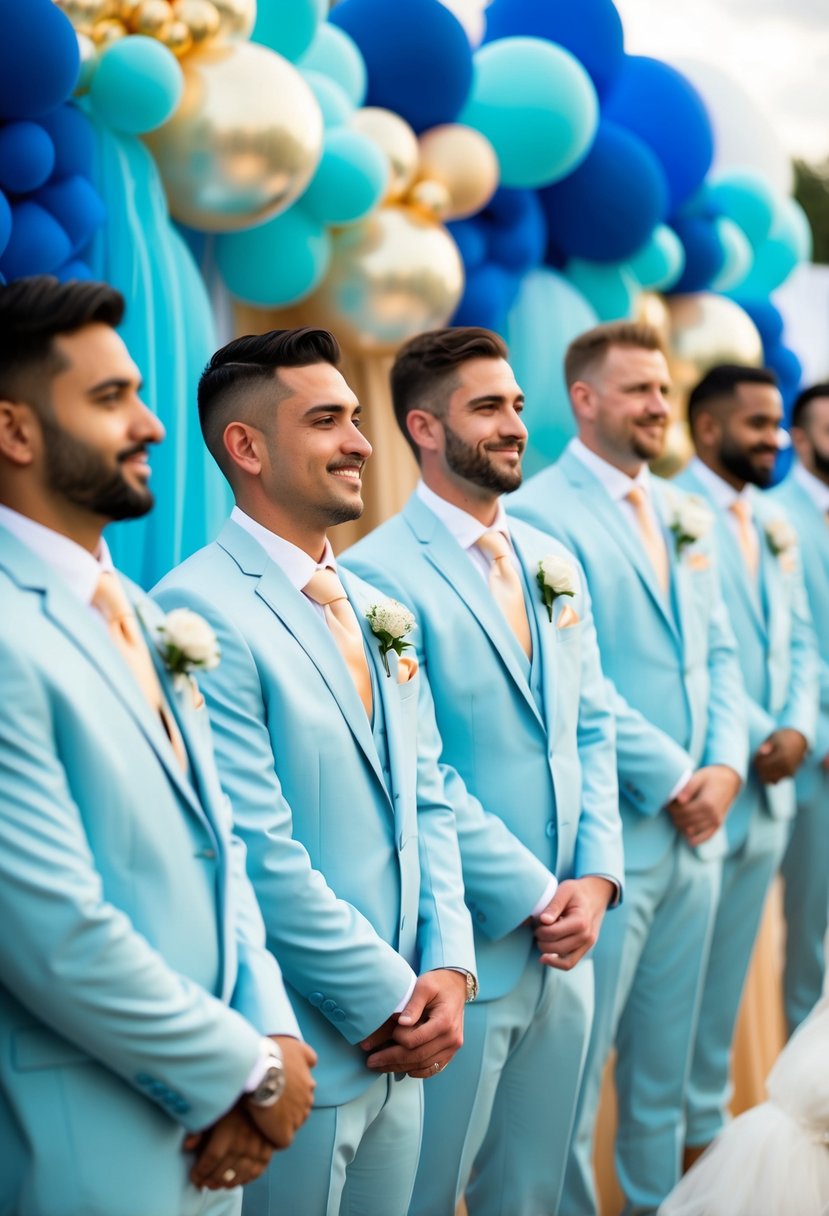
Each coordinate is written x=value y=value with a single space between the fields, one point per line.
x=79 y=569
x=617 y=484
x=817 y=490
x=297 y=565
x=465 y=528
x=723 y=494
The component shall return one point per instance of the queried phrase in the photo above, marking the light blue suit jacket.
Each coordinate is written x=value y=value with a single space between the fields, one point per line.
x=672 y=664
x=812 y=529
x=130 y=931
x=526 y=756
x=355 y=866
x=777 y=649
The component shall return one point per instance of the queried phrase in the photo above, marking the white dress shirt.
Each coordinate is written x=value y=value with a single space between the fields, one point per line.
x=723 y=494
x=817 y=490
x=77 y=568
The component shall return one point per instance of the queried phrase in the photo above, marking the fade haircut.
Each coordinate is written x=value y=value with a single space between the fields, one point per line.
x=231 y=386
x=720 y=384
x=587 y=352
x=800 y=409
x=425 y=371
x=33 y=312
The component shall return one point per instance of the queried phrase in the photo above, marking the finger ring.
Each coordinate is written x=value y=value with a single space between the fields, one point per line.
x=228 y=1175
x=436 y=1067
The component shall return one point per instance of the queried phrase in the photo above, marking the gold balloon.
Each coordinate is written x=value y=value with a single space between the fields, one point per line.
x=396 y=138
x=430 y=198
x=236 y=19
x=201 y=18
x=88 y=52
x=465 y=162
x=107 y=32
x=707 y=329
x=152 y=17
x=178 y=38
x=84 y=14
x=391 y=276
x=244 y=141
x=126 y=9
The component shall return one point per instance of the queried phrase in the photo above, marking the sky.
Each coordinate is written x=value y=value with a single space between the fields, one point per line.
x=778 y=52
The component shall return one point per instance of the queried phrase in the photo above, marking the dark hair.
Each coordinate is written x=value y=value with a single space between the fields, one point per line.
x=586 y=352
x=721 y=383
x=251 y=362
x=801 y=405
x=33 y=312
x=424 y=372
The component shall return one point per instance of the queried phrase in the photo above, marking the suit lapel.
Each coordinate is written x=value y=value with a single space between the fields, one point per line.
x=453 y=565
x=544 y=632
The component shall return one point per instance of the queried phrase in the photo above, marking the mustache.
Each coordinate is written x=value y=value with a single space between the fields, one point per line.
x=764 y=449
x=507 y=446
x=359 y=465
x=137 y=449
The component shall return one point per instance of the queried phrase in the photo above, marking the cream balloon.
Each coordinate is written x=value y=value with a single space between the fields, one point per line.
x=244 y=142
x=236 y=19
x=706 y=329
x=395 y=137
x=391 y=277
x=465 y=162
x=431 y=199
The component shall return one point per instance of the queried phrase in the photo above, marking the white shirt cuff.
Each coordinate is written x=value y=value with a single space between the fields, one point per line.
x=549 y=892
x=680 y=785
x=257 y=1073
x=402 y=1005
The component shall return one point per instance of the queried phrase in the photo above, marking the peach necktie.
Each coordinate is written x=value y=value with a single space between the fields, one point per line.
x=652 y=539
x=325 y=589
x=505 y=586
x=746 y=536
x=111 y=601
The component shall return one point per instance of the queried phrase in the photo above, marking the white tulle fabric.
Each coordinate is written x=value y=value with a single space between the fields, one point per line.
x=774 y=1159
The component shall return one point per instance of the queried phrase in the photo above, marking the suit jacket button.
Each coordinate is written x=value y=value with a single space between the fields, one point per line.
x=480 y=918
x=316 y=999
x=337 y=1015
x=328 y=1006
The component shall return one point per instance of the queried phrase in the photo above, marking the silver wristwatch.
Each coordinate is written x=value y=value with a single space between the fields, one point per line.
x=272 y=1085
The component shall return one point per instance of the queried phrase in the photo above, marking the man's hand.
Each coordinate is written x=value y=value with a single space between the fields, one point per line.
x=702 y=804
x=230 y=1153
x=781 y=755
x=280 y=1123
x=569 y=925
x=429 y=1030
x=383 y=1035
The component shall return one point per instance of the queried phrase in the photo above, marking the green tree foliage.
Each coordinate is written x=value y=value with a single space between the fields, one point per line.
x=812 y=192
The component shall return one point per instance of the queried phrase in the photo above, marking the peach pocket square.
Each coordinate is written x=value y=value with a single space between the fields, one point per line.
x=698 y=561
x=406 y=668
x=567 y=617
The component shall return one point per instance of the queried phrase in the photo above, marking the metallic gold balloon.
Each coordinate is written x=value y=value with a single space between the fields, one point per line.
x=244 y=141
x=104 y=33
x=152 y=17
x=88 y=52
x=236 y=19
x=391 y=277
x=465 y=162
x=707 y=329
x=126 y=9
x=431 y=199
x=84 y=14
x=178 y=38
x=396 y=138
x=201 y=18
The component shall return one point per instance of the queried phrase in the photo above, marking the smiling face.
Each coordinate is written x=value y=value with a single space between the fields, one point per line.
x=622 y=406
x=811 y=438
x=747 y=433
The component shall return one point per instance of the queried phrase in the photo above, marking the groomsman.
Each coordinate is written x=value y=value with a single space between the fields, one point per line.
x=804 y=496
x=505 y=638
x=135 y=987
x=353 y=855
x=735 y=415
x=669 y=654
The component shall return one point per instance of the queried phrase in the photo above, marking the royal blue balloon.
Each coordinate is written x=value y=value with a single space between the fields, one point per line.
x=786 y=364
x=335 y=55
x=38 y=244
x=27 y=157
x=332 y=100
x=607 y=208
x=767 y=318
x=658 y=104
x=5 y=221
x=487 y=297
x=660 y=261
x=76 y=269
x=704 y=253
x=288 y=26
x=277 y=263
x=76 y=205
x=137 y=85
x=350 y=181
x=471 y=238
x=609 y=290
x=73 y=139
x=39 y=58
x=517 y=229
x=417 y=56
x=590 y=29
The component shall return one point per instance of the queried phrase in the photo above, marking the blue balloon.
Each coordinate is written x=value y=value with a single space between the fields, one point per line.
x=609 y=290
x=38 y=244
x=488 y=294
x=5 y=221
x=470 y=236
x=137 y=85
x=76 y=205
x=75 y=269
x=774 y=261
x=590 y=29
x=737 y=252
x=278 y=263
x=608 y=207
x=350 y=181
x=73 y=139
x=536 y=105
x=517 y=228
x=335 y=55
x=660 y=261
x=39 y=58
x=748 y=200
x=288 y=26
x=658 y=104
x=417 y=56
x=785 y=363
x=767 y=318
x=332 y=100
x=704 y=253
x=27 y=157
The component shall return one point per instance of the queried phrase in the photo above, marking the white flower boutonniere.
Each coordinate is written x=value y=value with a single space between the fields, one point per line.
x=187 y=644
x=781 y=537
x=691 y=521
x=390 y=621
x=556 y=576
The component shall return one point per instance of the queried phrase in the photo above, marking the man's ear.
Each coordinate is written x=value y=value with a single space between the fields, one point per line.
x=21 y=434
x=243 y=445
x=582 y=399
x=425 y=429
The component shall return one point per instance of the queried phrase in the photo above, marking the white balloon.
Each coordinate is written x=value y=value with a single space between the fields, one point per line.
x=744 y=137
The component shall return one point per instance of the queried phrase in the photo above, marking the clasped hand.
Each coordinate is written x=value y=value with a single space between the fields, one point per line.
x=428 y=1032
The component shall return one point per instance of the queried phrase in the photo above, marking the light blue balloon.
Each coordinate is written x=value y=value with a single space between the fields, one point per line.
x=277 y=263
x=288 y=26
x=137 y=85
x=748 y=200
x=610 y=289
x=537 y=106
x=547 y=314
x=795 y=222
x=332 y=99
x=660 y=261
x=350 y=181
x=779 y=254
x=335 y=54
x=739 y=255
